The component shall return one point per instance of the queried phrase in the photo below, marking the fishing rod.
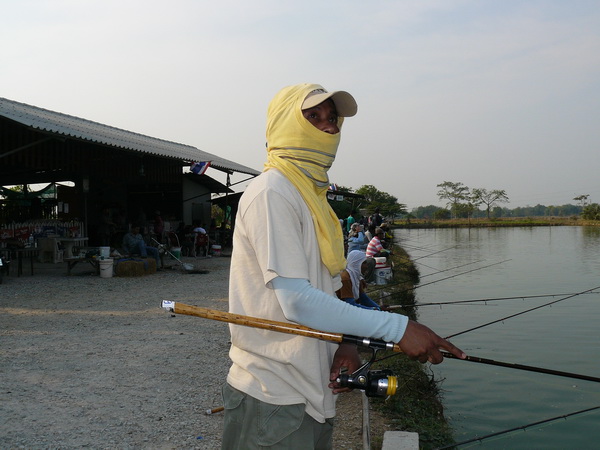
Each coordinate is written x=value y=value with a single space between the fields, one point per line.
x=373 y=344
x=485 y=300
x=462 y=273
x=437 y=271
x=435 y=253
x=526 y=368
x=521 y=428
x=451 y=268
x=523 y=312
x=436 y=281
x=375 y=383
x=492 y=362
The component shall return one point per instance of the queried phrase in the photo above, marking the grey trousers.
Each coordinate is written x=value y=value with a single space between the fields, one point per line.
x=251 y=425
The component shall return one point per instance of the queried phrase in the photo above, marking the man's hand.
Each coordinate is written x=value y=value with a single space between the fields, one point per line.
x=347 y=357
x=421 y=343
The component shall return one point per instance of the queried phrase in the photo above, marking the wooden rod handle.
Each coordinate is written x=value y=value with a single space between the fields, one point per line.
x=272 y=325
x=255 y=322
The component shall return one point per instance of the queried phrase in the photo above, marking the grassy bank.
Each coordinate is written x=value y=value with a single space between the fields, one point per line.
x=502 y=222
x=417 y=406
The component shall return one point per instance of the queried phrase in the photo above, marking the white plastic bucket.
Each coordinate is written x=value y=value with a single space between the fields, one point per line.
x=216 y=250
x=176 y=252
x=380 y=262
x=104 y=252
x=383 y=274
x=106 y=268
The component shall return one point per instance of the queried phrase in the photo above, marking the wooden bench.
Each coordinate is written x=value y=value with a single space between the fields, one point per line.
x=72 y=262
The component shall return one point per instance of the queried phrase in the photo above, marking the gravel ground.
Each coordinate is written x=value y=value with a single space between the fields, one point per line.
x=95 y=362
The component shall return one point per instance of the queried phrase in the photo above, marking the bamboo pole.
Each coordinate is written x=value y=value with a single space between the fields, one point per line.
x=272 y=325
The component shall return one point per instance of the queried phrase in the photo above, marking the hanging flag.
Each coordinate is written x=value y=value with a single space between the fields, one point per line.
x=200 y=167
x=333 y=187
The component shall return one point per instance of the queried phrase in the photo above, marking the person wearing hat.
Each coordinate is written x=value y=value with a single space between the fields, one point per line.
x=288 y=252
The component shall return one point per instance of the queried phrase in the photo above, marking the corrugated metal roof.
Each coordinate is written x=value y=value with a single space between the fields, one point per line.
x=75 y=127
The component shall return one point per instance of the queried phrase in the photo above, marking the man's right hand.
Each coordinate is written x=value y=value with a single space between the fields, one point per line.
x=421 y=343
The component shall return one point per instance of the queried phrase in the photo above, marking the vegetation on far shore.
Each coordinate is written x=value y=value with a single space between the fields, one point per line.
x=499 y=222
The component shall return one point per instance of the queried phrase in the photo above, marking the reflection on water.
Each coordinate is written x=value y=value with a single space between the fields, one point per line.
x=553 y=261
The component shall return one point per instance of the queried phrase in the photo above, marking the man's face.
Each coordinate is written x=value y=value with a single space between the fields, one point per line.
x=323 y=116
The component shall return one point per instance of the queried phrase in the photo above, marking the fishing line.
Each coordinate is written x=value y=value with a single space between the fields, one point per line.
x=521 y=428
x=437 y=269
x=432 y=282
x=462 y=273
x=485 y=300
x=522 y=312
x=451 y=268
x=434 y=253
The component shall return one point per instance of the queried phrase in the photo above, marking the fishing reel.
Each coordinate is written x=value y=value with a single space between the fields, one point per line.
x=375 y=383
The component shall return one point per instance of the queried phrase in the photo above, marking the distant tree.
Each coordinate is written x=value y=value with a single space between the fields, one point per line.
x=582 y=199
x=489 y=198
x=464 y=210
x=425 y=212
x=591 y=212
x=455 y=194
x=497 y=212
x=442 y=214
x=388 y=204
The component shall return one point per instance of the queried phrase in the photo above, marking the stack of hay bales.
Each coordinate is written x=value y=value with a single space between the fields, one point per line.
x=135 y=267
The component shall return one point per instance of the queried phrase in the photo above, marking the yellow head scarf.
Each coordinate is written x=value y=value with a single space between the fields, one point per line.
x=304 y=154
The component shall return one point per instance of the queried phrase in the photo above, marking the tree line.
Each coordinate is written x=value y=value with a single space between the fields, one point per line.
x=438 y=213
x=461 y=202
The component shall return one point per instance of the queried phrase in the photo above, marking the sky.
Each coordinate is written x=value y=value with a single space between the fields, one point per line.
x=492 y=94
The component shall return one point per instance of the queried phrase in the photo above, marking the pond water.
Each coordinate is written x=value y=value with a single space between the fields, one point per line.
x=472 y=264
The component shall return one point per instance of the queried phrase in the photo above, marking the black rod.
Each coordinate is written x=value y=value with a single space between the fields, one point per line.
x=523 y=312
x=492 y=362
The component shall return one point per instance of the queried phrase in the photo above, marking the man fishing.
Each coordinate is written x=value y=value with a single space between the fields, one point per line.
x=287 y=256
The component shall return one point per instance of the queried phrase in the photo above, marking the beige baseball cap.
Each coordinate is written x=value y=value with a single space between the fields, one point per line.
x=344 y=103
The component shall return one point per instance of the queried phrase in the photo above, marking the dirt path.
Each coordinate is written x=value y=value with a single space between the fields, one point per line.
x=94 y=362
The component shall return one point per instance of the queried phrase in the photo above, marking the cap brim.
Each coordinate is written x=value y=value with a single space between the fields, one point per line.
x=344 y=103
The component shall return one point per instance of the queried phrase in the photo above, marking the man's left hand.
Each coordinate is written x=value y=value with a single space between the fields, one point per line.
x=346 y=357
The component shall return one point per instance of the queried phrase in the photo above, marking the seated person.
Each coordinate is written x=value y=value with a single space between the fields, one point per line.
x=185 y=238
x=201 y=241
x=356 y=238
x=199 y=229
x=370 y=233
x=387 y=235
x=353 y=282
x=133 y=244
x=375 y=248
